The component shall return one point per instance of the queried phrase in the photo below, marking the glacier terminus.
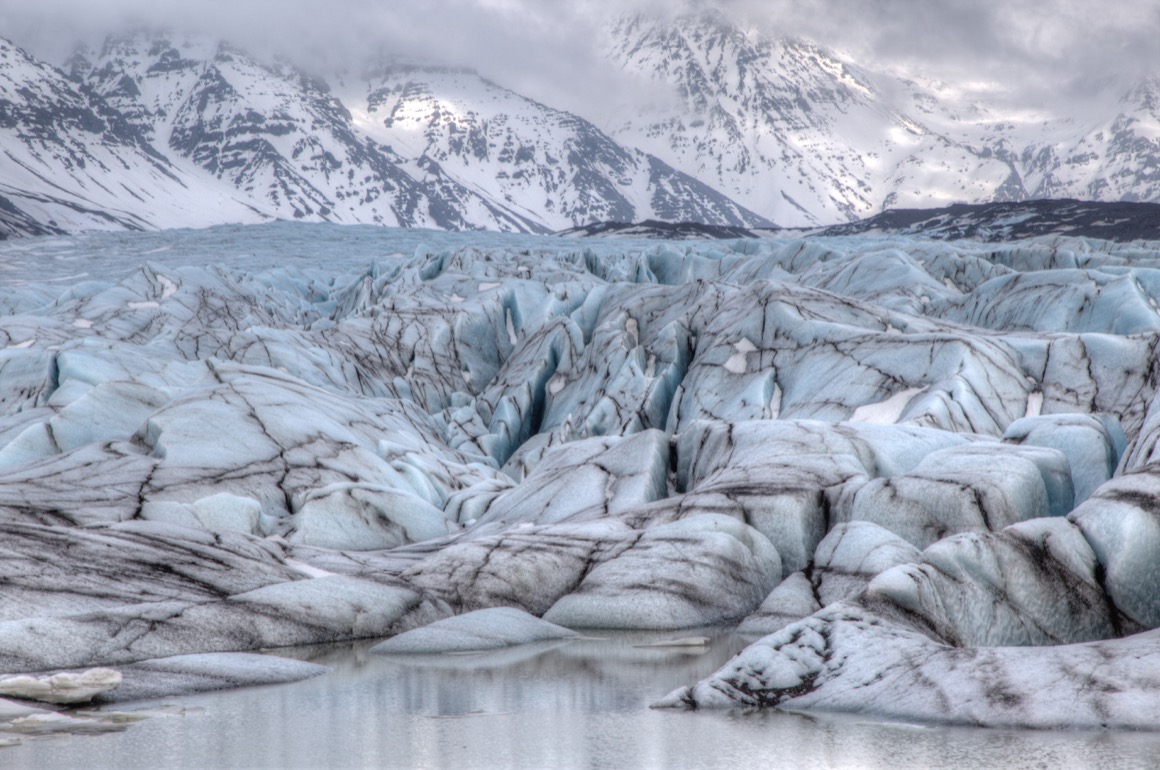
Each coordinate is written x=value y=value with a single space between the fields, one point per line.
x=919 y=475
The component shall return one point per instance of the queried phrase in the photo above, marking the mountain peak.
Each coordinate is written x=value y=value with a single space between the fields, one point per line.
x=727 y=124
x=1144 y=95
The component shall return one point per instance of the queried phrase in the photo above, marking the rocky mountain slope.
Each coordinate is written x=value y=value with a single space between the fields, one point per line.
x=804 y=136
x=222 y=137
x=551 y=166
x=71 y=162
x=790 y=129
x=1008 y=221
x=741 y=128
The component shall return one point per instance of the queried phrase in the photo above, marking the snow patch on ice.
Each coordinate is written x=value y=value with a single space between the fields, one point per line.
x=511 y=327
x=306 y=569
x=168 y=287
x=736 y=363
x=885 y=412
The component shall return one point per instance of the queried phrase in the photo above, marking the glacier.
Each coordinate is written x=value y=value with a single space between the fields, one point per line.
x=921 y=474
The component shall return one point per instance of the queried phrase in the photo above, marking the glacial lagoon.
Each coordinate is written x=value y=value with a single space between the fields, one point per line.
x=577 y=704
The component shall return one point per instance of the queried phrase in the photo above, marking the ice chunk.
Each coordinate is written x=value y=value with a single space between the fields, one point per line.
x=848 y=659
x=1002 y=588
x=366 y=607
x=1121 y=521
x=1084 y=439
x=596 y=476
x=64 y=687
x=528 y=567
x=694 y=572
x=364 y=517
x=184 y=674
x=852 y=554
x=789 y=501
x=793 y=599
x=976 y=488
x=487 y=629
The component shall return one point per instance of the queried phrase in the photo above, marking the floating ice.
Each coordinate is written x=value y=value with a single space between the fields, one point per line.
x=64 y=687
x=488 y=629
x=182 y=674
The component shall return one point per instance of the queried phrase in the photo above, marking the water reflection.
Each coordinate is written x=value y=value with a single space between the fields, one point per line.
x=572 y=704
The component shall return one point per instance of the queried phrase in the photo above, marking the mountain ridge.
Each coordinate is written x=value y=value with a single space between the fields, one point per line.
x=749 y=130
x=281 y=145
x=1116 y=221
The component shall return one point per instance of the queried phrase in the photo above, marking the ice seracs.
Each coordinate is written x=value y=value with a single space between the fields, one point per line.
x=606 y=435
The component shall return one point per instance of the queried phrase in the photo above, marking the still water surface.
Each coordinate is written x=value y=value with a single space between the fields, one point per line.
x=575 y=704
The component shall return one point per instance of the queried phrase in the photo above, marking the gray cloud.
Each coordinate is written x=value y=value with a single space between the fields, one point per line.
x=1035 y=51
x=546 y=50
x=1031 y=52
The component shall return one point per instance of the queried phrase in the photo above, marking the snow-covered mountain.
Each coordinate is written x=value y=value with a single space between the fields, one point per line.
x=276 y=135
x=406 y=146
x=551 y=166
x=192 y=132
x=804 y=136
x=1116 y=156
x=71 y=162
x=741 y=128
x=788 y=128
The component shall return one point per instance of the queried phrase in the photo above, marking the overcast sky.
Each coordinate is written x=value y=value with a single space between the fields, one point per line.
x=1029 y=50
